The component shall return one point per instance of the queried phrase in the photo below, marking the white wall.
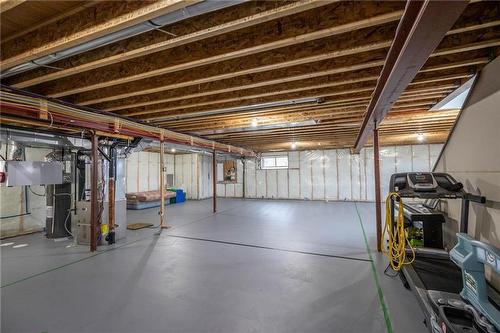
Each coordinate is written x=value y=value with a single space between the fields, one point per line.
x=335 y=174
x=143 y=171
x=472 y=156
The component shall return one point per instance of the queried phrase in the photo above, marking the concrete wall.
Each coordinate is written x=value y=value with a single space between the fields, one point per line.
x=472 y=156
x=13 y=202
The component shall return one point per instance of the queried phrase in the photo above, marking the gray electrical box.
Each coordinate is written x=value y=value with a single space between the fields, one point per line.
x=22 y=173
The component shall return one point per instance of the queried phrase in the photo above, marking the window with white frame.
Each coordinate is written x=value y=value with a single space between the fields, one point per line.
x=274 y=162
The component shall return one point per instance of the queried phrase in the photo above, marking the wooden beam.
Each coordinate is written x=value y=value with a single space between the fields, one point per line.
x=276 y=95
x=6 y=5
x=227 y=74
x=325 y=76
x=91 y=23
x=140 y=46
x=422 y=27
x=159 y=85
x=139 y=68
x=51 y=20
x=317 y=79
x=214 y=121
x=197 y=108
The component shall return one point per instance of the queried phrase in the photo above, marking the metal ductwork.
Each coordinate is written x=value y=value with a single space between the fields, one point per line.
x=200 y=8
x=15 y=151
x=40 y=140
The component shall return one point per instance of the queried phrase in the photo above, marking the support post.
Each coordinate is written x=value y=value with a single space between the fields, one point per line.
x=93 y=195
x=163 y=224
x=214 y=179
x=378 y=201
x=111 y=196
x=244 y=161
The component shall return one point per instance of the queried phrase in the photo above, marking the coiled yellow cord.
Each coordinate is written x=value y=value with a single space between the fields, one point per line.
x=397 y=239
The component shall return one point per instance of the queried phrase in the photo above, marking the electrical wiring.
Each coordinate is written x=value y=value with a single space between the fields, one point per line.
x=66 y=223
x=396 y=235
x=37 y=194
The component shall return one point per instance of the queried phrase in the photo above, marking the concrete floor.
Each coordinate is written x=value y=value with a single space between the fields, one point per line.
x=255 y=266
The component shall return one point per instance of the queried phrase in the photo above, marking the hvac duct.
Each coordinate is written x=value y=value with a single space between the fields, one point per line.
x=200 y=8
x=40 y=140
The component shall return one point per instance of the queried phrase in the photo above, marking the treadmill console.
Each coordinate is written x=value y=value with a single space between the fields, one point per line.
x=426 y=185
x=421 y=181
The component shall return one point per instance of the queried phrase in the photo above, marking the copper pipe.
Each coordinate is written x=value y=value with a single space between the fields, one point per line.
x=13 y=102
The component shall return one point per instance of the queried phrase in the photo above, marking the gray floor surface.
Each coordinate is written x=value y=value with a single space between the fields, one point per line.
x=255 y=266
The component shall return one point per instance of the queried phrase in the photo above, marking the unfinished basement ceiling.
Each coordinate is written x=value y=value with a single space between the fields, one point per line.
x=313 y=64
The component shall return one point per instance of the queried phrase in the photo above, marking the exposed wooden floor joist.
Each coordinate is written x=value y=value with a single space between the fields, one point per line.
x=193 y=74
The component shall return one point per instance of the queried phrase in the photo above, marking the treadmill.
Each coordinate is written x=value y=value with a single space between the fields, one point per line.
x=432 y=269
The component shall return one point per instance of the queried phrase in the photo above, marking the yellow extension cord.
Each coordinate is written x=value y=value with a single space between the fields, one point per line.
x=397 y=239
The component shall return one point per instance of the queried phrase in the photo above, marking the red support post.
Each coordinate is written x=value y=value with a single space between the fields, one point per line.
x=378 y=201
x=93 y=195
x=214 y=178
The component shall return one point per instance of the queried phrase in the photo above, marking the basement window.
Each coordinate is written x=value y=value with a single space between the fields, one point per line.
x=274 y=162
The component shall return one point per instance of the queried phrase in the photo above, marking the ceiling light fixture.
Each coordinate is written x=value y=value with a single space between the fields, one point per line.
x=294 y=145
x=172 y=150
x=420 y=137
x=254 y=122
x=242 y=108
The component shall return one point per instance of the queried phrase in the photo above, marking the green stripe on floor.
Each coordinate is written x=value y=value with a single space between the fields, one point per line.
x=380 y=293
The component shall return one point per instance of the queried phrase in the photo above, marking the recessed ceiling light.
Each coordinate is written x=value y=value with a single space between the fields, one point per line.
x=294 y=145
x=420 y=137
x=254 y=122
x=172 y=150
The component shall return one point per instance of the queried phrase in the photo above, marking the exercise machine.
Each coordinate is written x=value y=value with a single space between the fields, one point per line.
x=424 y=265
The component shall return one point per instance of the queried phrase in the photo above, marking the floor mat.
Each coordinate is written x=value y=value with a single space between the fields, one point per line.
x=137 y=226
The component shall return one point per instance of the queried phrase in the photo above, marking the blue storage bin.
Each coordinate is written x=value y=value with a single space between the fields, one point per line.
x=180 y=195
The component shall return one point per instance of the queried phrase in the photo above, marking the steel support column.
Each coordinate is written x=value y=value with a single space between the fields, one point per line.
x=420 y=30
x=378 y=201
x=94 y=223
x=111 y=195
x=214 y=179
x=163 y=224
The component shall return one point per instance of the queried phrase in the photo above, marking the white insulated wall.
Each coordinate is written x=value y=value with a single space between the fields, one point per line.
x=334 y=174
x=143 y=171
